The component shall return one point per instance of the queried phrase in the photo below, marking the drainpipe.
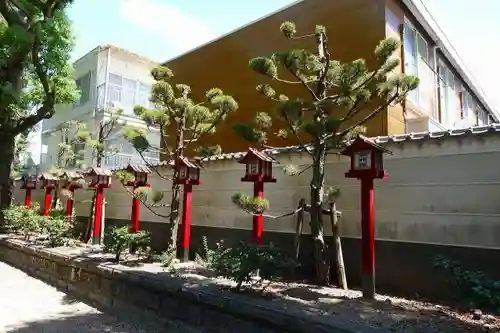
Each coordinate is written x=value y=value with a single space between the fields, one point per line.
x=438 y=86
x=402 y=55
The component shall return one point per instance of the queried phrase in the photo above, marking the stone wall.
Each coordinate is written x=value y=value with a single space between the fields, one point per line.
x=160 y=294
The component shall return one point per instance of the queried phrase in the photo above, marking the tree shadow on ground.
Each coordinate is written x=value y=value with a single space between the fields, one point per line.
x=348 y=310
x=97 y=323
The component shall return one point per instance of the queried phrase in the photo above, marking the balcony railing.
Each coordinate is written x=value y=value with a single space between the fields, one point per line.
x=121 y=160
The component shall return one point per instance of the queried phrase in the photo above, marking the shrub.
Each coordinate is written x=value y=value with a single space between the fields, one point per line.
x=254 y=205
x=23 y=220
x=116 y=240
x=56 y=228
x=167 y=258
x=477 y=290
x=210 y=257
x=240 y=263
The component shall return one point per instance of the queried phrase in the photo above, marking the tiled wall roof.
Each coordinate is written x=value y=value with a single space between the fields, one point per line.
x=477 y=130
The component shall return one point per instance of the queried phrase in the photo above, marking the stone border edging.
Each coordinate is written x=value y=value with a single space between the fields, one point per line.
x=166 y=297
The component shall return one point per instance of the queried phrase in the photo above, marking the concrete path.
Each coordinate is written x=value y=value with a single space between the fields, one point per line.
x=28 y=305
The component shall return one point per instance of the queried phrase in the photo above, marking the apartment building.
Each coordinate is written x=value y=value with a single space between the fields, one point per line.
x=446 y=98
x=109 y=78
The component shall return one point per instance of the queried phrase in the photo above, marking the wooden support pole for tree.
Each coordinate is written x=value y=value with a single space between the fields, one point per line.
x=334 y=219
x=299 y=227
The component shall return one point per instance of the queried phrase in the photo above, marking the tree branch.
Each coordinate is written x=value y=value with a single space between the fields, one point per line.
x=149 y=207
x=369 y=116
x=275 y=216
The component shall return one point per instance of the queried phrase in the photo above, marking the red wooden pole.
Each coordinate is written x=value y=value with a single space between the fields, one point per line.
x=368 y=237
x=186 y=222
x=47 y=200
x=96 y=234
x=258 y=220
x=134 y=217
x=27 y=198
x=69 y=206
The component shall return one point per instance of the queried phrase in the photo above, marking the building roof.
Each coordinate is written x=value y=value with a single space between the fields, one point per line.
x=105 y=47
x=431 y=28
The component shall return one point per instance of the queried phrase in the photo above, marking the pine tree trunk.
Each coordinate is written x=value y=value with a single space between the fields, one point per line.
x=176 y=188
x=88 y=228
x=7 y=149
x=317 y=189
x=174 y=217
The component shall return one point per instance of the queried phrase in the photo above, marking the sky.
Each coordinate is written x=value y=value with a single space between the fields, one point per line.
x=162 y=29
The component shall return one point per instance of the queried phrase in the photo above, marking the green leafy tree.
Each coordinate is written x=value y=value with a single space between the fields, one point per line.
x=182 y=122
x=73 y=136
x=35 y=72
x=339 y=98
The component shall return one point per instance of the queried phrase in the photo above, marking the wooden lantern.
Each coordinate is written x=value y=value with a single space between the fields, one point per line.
x=259 y=166
x=29 y=182
x=188 y=171
x=366 y=159
x=99 y=177
x=72 y=179
x=140 y=173
x=48 y=180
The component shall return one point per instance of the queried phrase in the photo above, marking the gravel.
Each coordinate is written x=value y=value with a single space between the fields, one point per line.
x=28 y=305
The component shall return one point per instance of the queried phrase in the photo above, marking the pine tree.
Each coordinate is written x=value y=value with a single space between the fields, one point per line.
x=102 y=147
x=35 y=72
x=341 y=97
x=182 y=122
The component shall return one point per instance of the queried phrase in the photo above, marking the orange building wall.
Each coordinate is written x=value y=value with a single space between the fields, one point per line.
x=354 y=29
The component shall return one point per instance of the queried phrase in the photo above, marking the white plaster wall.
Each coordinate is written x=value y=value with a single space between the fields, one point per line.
x=443 y=191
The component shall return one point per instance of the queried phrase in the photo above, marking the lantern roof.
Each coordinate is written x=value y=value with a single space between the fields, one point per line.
x=189 y=163
x=362 y=143
x=253 y=153
x=25 y=176
x=47 y=176
x=95 y=171
x=138 y=168
x=72 y=174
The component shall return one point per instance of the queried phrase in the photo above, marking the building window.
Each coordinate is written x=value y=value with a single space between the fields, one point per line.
x=419 y=61
x=449 y=95
x=44 y=154
x=126 y=93
x=483 y=117
x=83 y=85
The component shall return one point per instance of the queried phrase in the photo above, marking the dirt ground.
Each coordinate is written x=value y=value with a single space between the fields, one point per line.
x=386 y=313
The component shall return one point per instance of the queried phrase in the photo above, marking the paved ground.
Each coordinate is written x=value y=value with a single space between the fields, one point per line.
x=28 y=305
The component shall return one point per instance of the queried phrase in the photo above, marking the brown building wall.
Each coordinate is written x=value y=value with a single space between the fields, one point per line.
x=354 y=28
x=394 y=28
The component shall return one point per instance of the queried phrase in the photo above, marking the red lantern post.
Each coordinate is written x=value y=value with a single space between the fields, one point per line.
x=72 y=181
x=188 y=175
x=29 y=184
x=259 y=170
x=99 y=180
x=366 y=165
x=141 y=179
x=49 y=182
